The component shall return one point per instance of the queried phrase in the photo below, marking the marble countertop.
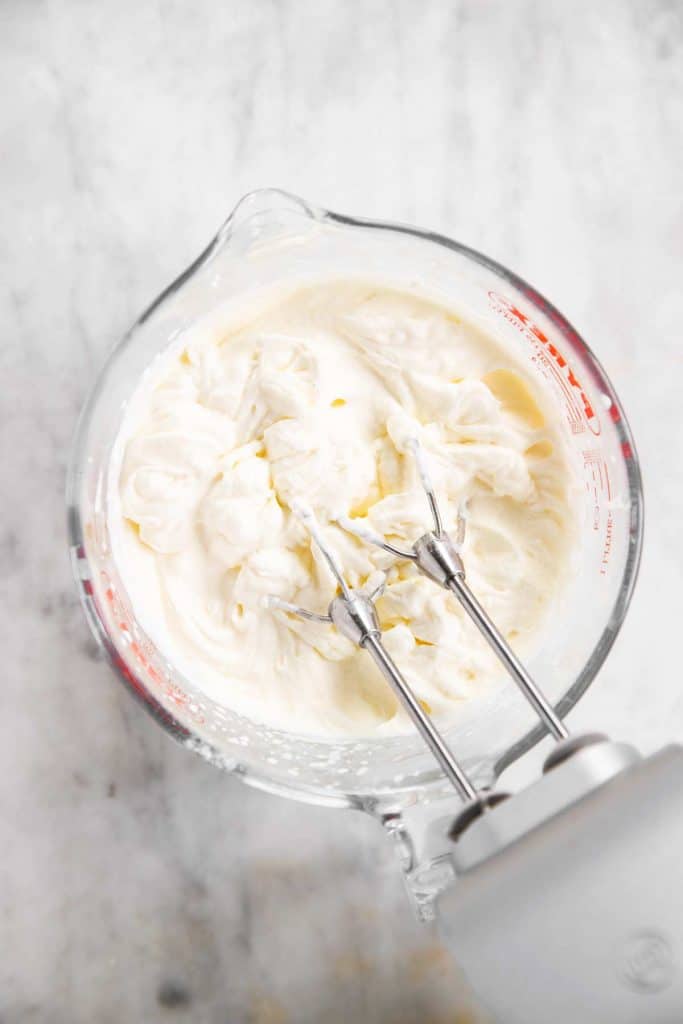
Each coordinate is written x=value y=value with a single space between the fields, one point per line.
x=139 y=884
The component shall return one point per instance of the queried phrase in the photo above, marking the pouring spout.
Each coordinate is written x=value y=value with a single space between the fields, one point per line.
x=267 y=214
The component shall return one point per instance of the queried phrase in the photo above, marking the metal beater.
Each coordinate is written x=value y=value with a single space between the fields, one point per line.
x=438 y=557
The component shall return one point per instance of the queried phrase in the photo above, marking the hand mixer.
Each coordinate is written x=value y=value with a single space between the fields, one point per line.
x=567 y=905
x=568 y=900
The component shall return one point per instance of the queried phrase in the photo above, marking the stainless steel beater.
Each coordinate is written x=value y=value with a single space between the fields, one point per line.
x=353 y=612
x=439 y=558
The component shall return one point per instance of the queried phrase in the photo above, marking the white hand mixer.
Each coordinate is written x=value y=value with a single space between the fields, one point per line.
x=554 y=875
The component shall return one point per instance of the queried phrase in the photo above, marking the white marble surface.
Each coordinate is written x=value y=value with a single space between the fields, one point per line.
x=138 y=884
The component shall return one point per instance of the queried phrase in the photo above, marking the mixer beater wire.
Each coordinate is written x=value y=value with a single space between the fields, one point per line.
x=353 y=612
x=439 y=558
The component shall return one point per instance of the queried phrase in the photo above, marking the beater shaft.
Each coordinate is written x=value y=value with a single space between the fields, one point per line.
x=451 y=769
x=356 y=618
x=545 y=711
x=353 y=613
x=438 y=557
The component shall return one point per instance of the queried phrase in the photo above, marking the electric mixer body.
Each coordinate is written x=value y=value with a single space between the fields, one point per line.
x=568 y=901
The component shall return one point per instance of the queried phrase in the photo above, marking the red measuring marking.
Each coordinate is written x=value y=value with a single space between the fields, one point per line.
x=600 y=488
x=580 y=412
x=146 y=656
x=607 y=482
x=581 y=416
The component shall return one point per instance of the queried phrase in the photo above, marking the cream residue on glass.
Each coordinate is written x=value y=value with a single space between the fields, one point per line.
x=314 y=397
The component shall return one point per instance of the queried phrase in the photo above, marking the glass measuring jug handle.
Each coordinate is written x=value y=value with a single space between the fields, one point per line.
x=418 y=829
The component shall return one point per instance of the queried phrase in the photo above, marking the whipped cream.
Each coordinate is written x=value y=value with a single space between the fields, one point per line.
x=315 y=396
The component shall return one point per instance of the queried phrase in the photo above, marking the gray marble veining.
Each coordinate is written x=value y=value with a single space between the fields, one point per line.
x=138 y=884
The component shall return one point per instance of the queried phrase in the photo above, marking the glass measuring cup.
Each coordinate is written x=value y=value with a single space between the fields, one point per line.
x=273 y=238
